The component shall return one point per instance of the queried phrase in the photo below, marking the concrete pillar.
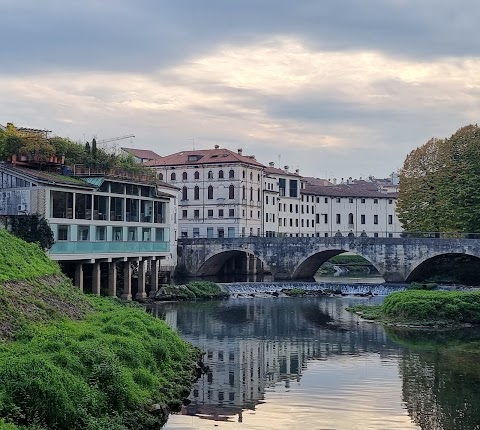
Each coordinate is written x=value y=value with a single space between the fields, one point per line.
x=127 y=281
x=244 y=265
x=112 y=279
x=79 y=276
x=96 y=279
x=141 y=294
x=154 y=269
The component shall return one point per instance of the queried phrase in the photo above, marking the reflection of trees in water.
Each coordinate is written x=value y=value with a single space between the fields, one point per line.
x=441 y=385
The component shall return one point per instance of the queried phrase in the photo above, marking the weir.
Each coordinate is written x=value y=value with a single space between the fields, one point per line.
x=272 y=287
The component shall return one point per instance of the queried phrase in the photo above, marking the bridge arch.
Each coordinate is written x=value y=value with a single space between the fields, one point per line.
x=214 y=263
x=307 y=268
x=423 y=265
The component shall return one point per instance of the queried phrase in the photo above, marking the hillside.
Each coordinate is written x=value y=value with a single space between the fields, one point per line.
x=72 y=361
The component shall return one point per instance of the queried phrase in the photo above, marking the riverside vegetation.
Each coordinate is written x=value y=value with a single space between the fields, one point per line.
x=425 y=308
x=72 y=361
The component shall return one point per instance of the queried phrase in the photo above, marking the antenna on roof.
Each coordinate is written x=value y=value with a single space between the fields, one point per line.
x=193 y=142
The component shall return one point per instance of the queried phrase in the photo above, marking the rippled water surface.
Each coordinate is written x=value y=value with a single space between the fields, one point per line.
x=305 y=363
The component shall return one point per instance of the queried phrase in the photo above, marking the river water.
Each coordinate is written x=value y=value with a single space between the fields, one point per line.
x=305 y=363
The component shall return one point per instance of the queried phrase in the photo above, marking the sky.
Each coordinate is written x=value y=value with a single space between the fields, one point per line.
x=334 y=88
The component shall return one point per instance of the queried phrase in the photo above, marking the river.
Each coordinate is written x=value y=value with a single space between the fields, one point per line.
x=305 y=363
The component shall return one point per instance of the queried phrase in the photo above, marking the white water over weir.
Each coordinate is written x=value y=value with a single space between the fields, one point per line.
x=272 y=287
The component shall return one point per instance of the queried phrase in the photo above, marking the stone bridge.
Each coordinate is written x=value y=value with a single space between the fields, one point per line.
x=396 y=259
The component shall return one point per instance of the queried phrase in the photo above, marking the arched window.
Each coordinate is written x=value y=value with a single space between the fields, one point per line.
x=231 y=192
x=220 y=174
x=251 y=193
x=184 y=193
x=243 y=174
x=350 y=218
x=210 y=192
x=160 y=176
x=184 y=176
x=173 y=176
x=244 y=193
x=196 y=193
x=210 y=174
x=196 y=175
x=231 y=174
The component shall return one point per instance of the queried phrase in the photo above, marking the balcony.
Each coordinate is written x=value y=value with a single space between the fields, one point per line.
x=108 y=247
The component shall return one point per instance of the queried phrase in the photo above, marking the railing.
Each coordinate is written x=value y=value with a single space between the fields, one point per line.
x=108 y=247
x=81 y=170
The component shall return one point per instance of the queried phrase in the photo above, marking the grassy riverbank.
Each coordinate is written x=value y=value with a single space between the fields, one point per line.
x=425 y=309
x=195 y=290
x=71 y=361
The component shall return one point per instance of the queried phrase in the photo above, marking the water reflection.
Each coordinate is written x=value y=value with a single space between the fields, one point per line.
x=302 y=363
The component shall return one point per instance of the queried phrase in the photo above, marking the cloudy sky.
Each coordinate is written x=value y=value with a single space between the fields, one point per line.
x=336 y=88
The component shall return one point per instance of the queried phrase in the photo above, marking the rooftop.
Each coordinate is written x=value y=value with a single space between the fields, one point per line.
x=359 y=189
x=204 y=156
x=145 y=154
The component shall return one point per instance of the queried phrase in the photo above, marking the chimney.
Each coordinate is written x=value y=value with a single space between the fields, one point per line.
x=297 y=171
x=239 y=151
x=334 y=181
x=271 y=164
x=286 y=168
x=216 y=146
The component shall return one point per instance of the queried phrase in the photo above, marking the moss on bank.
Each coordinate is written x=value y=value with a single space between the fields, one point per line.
x=195 y=290
x=425 y=308
x=71 y=361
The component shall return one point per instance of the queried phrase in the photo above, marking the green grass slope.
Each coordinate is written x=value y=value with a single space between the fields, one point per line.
x=71 y=361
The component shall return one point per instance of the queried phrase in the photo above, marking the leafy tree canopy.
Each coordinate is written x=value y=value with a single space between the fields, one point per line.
x=439 y=184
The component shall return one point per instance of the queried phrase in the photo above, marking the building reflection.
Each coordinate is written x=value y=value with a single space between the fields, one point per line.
x=252 y=345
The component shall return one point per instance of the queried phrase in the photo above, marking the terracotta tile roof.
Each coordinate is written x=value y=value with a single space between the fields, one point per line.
x=203 y=156
x=276 y=171
x=142 y=153
x=365 y=189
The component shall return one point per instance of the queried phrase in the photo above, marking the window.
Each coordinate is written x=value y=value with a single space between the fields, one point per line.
x=251 y=193
x=210 y=213
x=159 y=235
x=350 y=219
x=173 y=176
x=184 y=176
x=62 y=233
x=196 y=232
x=231 y=212
x=326 y=200
x=193 y=157
x=132 y=233
x=196 y=175
x=146 y=234
x=375 y=201
x=220 y=174
x=375 y=219
x=390 y=201
x=339 y=199
x=362 y=200
x=258 y=195
x=231 y=174
x=282 y=184
x=293 y=186
x=209 y=232
x=220 y=213
x=117 y=233
x=244 y=193
x=390 y=219
x=83 y=233
x=221 y=233
x=160 y=176
x=231 y=192
x=196 y=193
x=184 y=214
x=266 y=200
x=210 y=174
x=196 y=213
x=243 y=174
x=184 y=234
x=375 y=234
x=210 y=192
x=291 y=208
x=362 y=219
x=251 y=176
x=350 y=200
x=325 y=218
x=339 y=219
x=184 y=193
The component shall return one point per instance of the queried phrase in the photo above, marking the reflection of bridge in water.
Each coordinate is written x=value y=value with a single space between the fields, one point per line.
x=254 y=344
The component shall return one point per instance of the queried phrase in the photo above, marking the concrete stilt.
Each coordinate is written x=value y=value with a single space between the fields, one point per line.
x=154 y=269
x=96 y=279
x=79 y=276
x=112 y=279
x=141 y=294
x=127 y=281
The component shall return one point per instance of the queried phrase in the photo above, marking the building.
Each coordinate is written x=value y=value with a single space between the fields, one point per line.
x=220 y=191
x=141 y=155
x=100 y=222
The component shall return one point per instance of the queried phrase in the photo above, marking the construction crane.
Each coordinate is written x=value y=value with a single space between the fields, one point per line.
x=113 y=139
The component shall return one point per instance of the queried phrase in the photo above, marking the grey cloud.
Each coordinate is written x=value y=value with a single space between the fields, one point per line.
x=148 y=34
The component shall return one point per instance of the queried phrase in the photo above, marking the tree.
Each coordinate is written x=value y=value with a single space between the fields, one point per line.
x=31 y=228
x=439 y=185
